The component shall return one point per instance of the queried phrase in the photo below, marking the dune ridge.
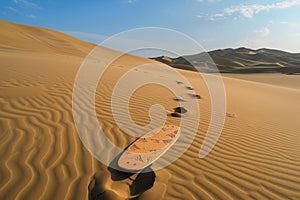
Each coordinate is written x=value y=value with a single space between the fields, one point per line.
x=42 y=157
x=240 y=60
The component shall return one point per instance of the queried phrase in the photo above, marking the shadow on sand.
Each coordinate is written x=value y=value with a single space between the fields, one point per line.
x=136 y=182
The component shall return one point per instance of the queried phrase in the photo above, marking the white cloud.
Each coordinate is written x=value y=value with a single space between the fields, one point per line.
x=216 y=17
x=291 y=24
x=20 y=10
x=284 y=22
x=131 y=1
x=12 y=9
x=219 y=15
x=263 y=32
x=248 y=11
x=26 y=3
x=30 y=16
x=253 y=43
x=199 y=16
x=209 y=1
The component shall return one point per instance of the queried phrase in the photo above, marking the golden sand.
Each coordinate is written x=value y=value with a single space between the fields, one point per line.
x=42 y=157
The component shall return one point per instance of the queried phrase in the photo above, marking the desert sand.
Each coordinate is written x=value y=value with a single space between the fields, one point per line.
x=42 y=157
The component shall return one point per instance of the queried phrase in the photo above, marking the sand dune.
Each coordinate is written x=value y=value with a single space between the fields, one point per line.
x=240 y=60
x=42 y=157
x=15 y=36
x=281 y=80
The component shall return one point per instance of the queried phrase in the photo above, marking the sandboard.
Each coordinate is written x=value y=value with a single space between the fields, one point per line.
x=148 y=148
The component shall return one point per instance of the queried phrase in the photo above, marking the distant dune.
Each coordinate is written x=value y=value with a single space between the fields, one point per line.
x=42 y=156
x=241 y=60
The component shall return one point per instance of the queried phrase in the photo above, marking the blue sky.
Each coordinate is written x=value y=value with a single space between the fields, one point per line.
x=213 y=23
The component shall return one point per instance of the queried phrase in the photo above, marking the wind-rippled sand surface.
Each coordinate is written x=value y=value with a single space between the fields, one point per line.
x=42 y=157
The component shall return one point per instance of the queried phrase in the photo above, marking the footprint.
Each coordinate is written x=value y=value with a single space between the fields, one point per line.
x=195 y=96
x=175 y=114
x=180 y=110
x=179 y=99
x=232 y=115
x=189 y=88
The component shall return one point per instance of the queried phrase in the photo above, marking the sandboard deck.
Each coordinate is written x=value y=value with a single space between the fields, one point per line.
x=148 y=148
